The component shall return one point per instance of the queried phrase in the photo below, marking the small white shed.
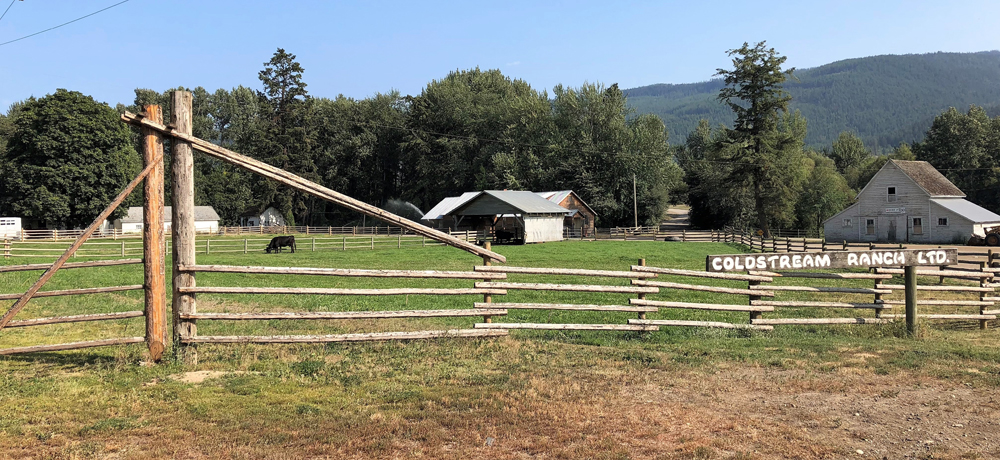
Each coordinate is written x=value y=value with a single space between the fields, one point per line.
x=10 y=227
x=269 y=218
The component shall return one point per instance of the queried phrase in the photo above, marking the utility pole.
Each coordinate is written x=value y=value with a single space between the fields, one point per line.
x=635 y=203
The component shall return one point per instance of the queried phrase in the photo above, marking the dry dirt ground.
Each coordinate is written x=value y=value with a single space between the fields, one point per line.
x=732 y=412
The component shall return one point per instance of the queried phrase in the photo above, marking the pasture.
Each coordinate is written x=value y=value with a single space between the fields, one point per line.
x=796 y=391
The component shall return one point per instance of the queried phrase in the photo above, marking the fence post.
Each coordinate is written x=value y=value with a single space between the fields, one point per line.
x=208 y=247
x=399 y=241
x=184 y=243
x=55 y=235
x=642 y=295
x=246 y=245
x=314 y=244
x=683 y=235
x=753 y=314
x=153 y=241
x=910 y=284
x=6 y=248
x=487 y=298
x=343 y=239
x=373 y=241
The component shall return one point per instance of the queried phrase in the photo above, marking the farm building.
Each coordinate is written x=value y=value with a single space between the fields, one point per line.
x=206 y=220
x=10 y=227
x=910 y=201
x=511 y=215
x=269 y=218
x=439 y=217
x=581 y=220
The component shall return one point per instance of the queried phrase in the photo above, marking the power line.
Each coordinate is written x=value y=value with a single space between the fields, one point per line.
x=60 y=25
x=8 y=9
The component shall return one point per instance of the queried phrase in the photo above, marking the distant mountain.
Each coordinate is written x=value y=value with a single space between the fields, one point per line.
x=884 y=99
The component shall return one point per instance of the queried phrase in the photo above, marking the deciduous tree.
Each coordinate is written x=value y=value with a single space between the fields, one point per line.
x=68 y=156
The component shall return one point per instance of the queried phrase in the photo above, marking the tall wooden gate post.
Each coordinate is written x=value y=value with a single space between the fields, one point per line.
x=182 y=167
x=153 y=240
x=910 y=293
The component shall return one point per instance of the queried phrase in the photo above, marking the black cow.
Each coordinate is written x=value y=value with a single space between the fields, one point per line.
x=280 y=241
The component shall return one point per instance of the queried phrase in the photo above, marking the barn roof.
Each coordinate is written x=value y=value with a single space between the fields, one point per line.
x=201 y=214
x=967 y=209
x=442 y=209
x=928 y=178
x=558 y=197
x=492 y=202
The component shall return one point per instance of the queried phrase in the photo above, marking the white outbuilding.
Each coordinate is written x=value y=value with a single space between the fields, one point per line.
x=206 y=220
x=910 y=201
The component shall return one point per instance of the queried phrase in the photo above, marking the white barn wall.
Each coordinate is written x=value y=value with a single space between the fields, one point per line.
x=539 y=229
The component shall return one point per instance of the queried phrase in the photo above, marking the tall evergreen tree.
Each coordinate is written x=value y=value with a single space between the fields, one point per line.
x=287 y=139
x=753 y=91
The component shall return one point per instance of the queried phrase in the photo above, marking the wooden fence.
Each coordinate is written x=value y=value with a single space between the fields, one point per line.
x=73 y=318
x=205 y=245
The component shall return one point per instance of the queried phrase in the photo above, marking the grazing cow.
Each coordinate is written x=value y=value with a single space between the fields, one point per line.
x=280 y=241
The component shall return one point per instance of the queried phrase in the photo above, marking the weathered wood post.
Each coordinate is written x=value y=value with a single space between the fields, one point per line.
x=183 y=227
x=878 y=297
x=153 y=241
x=6 y=248
x=487 y=298
x=910 y=285
x=642 y=295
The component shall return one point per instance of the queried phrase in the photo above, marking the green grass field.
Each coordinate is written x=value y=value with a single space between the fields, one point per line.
x=533 y=394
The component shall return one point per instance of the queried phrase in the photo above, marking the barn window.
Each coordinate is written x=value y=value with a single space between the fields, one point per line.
x=891 y=194
x=869 y=226
x=918 y=226
x=943 y=221
x=847 y=222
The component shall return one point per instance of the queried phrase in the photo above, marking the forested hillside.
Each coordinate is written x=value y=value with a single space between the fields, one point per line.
x=885 y=99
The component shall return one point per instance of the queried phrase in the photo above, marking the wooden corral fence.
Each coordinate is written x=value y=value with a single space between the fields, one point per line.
x=153 y=285
x=205 y=245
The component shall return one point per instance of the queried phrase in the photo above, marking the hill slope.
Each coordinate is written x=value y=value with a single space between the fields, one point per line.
x=885 y=99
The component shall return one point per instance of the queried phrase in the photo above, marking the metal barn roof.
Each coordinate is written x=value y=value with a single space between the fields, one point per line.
x=492 y=202
x=967 y=209
x=442 y=209
x=558 y=197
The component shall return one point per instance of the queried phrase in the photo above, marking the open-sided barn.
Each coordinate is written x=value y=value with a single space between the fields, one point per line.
x=509 y=215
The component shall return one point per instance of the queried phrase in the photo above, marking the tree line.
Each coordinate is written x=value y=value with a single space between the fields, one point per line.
x=64 y=155
x=472 y=130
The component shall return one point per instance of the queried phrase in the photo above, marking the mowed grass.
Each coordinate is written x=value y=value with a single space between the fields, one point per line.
x=534 y=394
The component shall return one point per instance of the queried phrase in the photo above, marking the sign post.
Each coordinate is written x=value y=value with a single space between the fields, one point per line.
x=910 y=259
x=910 y=285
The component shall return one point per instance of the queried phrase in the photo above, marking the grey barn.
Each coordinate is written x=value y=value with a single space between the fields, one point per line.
x=909 y=201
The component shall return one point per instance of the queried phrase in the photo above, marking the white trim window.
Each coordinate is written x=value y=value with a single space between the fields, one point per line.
x=942 y=221
x=869 y=226
x=890 y=194
x=918 y=225
x=847 y=222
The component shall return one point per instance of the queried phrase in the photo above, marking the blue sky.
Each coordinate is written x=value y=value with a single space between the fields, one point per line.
x=361 y=48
